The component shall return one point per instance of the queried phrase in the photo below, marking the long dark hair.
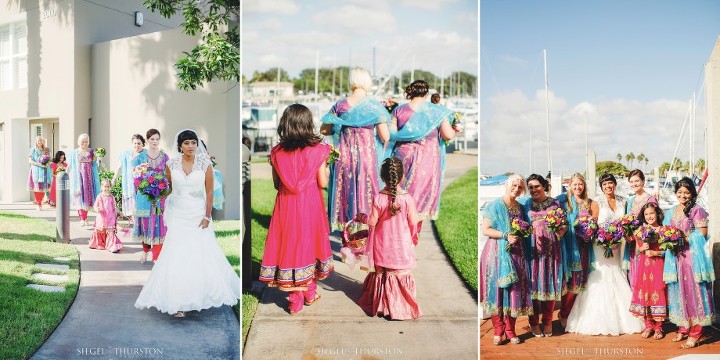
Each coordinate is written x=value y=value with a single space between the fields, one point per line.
x=659 y=213
x=687 y=183
x=391 y=172
x=297 y=129
x=57 y=157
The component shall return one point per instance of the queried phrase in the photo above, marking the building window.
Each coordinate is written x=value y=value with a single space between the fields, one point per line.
x=13 y=56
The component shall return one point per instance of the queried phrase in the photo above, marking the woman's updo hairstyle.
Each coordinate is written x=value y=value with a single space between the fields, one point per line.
x=418 y=88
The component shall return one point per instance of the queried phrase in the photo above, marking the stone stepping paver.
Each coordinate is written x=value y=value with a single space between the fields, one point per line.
x=47 y=288
x=63 y=259
x=51 y=278
x=53 y=266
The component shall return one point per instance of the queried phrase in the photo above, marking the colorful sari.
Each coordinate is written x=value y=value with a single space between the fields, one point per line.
x=355 y=175
x=128 y=187
x=689 y=274
x=84 y=180
x=40 y=178
x=149 y=227
x=418 y=145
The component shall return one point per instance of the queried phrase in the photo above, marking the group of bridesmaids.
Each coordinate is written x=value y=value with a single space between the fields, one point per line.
x=86 y=193
x=527 y=276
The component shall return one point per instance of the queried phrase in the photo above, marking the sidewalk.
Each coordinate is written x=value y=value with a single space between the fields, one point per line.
x=103 y=323
x=336 y=327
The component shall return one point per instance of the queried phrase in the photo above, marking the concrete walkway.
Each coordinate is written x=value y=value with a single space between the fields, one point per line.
x=103 y=323
x=336 y=327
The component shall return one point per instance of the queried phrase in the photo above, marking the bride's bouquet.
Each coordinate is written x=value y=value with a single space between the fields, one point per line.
x=556 y=218
x=586 y=228
x=670 y=238
x=519 y=228
x=153 y=184
x=610 y=234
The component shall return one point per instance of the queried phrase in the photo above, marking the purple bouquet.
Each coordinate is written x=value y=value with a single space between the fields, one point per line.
x=150 y=183
x=586 y=228
x=519 y=228
x=556 y=219
x=610 y=234
x=44 y=159
x=647 y=233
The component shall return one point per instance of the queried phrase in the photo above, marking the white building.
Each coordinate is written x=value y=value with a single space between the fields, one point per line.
x=70 y=66
x=270 y=90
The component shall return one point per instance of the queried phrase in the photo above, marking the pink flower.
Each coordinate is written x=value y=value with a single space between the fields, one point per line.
x=162 y=186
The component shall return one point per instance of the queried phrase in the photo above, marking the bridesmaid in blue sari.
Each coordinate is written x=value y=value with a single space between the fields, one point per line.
x=40 y=176
x=419 y=142
x=125 y=170
x=359 y=128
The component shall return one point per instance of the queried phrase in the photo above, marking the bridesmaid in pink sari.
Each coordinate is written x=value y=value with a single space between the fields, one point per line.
x=297 y=248
x=634 y=204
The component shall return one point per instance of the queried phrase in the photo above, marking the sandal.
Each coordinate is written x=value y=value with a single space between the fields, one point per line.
x=316 y=298
x=537 y=334
x=646 y=333
x=498 y=340
x=690 y=343
x=515 y=340
x=179 y=314
x=659 y=335
x=143 y=257
x=679 y=337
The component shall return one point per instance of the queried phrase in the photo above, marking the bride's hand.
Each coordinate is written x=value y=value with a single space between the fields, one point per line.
x=204 y=223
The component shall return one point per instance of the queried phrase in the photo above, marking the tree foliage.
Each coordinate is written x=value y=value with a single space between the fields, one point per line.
x=610 y=167
x=217 y=57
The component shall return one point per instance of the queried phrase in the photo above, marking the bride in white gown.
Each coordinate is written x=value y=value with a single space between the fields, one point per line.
x=602 y=309
x=192 y=273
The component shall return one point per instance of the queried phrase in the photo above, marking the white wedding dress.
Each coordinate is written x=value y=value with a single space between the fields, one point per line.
x=192 y=273
x=602 y=309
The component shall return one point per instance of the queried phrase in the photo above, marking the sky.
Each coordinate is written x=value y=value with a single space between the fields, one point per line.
x=631 y=67
x=441 y=35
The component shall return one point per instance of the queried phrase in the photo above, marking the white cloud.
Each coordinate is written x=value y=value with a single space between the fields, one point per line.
x=357 y=20
x=284 y=7
x=614 y=126
x=272 y=24
x=428 y=4
x=514 y=60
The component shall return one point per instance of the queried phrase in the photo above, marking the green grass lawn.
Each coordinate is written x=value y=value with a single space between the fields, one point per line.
x=27 y=316
x=262 y=203
x=227 y=233
x=457 y=225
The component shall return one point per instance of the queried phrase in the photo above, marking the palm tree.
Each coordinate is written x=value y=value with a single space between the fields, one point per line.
x=700 y=165
x=640 y=158
x=619 y=157
x=646 y=161
x=664 y=167
x=630 y=157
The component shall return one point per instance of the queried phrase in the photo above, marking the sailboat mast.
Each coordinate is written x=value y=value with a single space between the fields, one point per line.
x=547 y=113
x=692 y=139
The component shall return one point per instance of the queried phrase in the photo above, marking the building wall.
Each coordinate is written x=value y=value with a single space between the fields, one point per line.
x=134 y=89
x=60 y=36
